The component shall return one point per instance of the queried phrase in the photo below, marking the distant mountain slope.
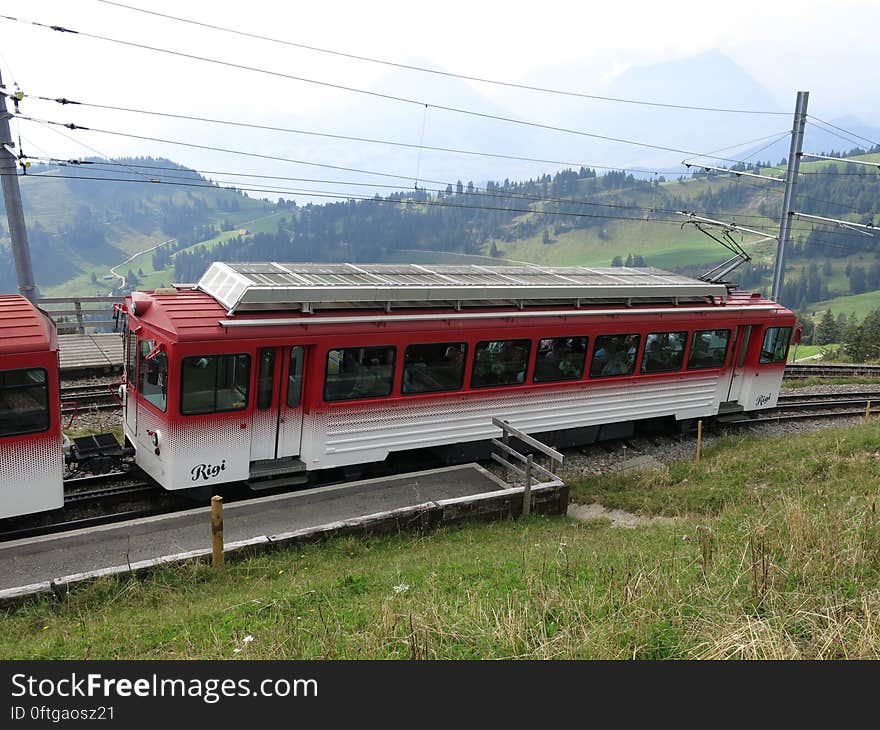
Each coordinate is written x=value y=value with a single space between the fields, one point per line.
x=78 y=224
x=79 y=228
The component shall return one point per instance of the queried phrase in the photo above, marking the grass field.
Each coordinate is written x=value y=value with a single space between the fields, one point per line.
x=773 y=551
x=81 y=285
x=663 y=246
x=805 y=351
x=861 y=304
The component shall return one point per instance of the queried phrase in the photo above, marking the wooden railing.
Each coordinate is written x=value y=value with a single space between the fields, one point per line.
x=71 y=317
x=530 y=471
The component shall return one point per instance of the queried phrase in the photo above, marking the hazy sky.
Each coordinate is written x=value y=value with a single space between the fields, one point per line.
x=824 y=46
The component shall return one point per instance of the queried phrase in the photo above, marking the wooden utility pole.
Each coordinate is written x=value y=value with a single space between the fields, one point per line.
x=14 y=212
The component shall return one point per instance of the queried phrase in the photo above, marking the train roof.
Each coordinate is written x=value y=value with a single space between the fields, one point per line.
x=24 y=327
x=187 y=313
x=265 y=286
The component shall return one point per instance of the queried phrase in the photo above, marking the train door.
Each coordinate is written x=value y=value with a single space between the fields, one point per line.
x=131 y=382
x=290 y=407
x=278 y=422
x=740 y=349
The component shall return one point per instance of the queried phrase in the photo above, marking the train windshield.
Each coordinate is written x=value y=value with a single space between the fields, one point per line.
x=214 y=383
x=153 y=374
x=775 y=346
x=24 y=401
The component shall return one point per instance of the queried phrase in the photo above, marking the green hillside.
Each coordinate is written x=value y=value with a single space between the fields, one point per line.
x=81 y=229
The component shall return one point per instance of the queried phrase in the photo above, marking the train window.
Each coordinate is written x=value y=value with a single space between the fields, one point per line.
x=709 y=349
x=152 y=374
x=560 y=358
x=500 y=362
x=434 y=368
x=24 y=401
x=294 y=377
x=214 y=383
x=775 y=346
x=359 y=372
x=664 y=352
x=614 y=355
x=265 y=377
x=131 y=363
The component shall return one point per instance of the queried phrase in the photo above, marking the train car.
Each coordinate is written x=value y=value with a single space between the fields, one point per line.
x=31 y=455
x=267 y=369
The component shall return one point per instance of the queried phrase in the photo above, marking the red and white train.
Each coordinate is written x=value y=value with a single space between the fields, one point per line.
x=31 y=455
x=263 y=372
x=265 y=369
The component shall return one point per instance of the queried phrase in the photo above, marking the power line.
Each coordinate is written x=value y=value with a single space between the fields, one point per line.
x=776 y=137
x=503 y=194
x=367 y=172
x=841 y=129
x=264 y=127
x=449 y=74
x=343 y=87
x=801 y=196
x=91 y=149
x=835 y=134
x=366 y=199
x=248 y=154
x=481 y=192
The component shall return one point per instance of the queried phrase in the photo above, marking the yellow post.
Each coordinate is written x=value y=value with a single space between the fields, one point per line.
x=217 y=531
x=868 y=411
x=699 y=440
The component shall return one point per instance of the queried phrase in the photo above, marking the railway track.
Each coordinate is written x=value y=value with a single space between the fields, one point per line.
x=94 y=500
x=90 y=501
x=88 y=397
x=79 y=490
x=799 y=372
x=806 y=406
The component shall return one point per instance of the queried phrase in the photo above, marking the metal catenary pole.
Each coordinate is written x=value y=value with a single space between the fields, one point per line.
x=794 y=163
x=14 y=213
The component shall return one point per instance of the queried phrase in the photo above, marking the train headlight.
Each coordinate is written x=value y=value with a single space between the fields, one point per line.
x=156 y=436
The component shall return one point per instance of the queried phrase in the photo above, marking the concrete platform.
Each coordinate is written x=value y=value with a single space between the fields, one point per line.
x=388 y=504
x=90 y=352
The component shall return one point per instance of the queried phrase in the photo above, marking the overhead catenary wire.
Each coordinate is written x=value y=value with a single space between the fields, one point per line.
x=503 y=194
x=377 y=94
x=475 y=191
x=438 y=72
x=352 y=138
x=841 y=129
x=337 y=195
x=308 y=163
x=493 y=193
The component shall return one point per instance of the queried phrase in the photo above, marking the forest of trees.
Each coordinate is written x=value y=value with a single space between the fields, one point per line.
x=462 y=218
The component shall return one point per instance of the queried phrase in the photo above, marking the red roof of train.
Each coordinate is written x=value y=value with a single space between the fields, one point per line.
x=190 y=314
x=23 y=327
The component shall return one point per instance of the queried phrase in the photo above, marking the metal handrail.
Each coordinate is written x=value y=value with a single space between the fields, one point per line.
x=49 y=304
